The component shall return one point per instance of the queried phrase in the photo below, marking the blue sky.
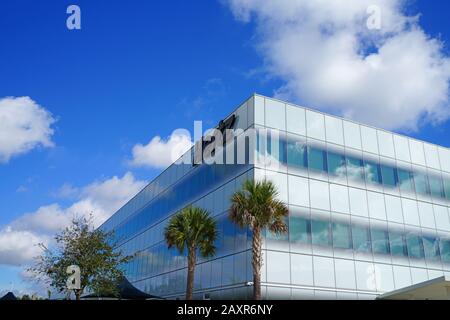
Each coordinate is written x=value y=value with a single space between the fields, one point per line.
x=136 y=70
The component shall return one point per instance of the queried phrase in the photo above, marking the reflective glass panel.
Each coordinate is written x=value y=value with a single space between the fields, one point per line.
x=431 y=248
x=398 y=244
x=389 y=176
x=316 y=159
x=336 y=164
x=355 y=168
x=296 y=154
x=342 y=237
x=405 y=180
x=447 y=188
x=421 y=183
x=300 y=230
x=373 y=172
x=444 y=248
x=415 y=247
x=361 y=238
x=320 y=233
x=436 y=187
x=380 y=243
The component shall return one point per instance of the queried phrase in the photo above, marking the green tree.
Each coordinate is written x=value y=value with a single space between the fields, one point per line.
x=256 y=207
x=193 y=229
x=92 y=250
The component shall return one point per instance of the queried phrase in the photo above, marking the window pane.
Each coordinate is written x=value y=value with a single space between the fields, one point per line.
x=405 y=180
x=336 y=165
x=389 y=176
x=436 y=187
x=300 y=230
x=355 y=169
x=342 y=236
x=421 y=183
x=431 y=248
x=398 y=244
x=373 y=172
x=316 y=159
x=320 y=233
x=415 y=247
x=283 y=151
x=361 y=239
x=296 y=154
x=447 y=188
x=380 y=243
x=444 y=247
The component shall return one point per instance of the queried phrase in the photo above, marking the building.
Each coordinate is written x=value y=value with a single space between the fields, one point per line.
x=369 y=211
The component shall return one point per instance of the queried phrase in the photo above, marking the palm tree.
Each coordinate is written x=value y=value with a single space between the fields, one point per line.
x=256 y=206
x=192 y=229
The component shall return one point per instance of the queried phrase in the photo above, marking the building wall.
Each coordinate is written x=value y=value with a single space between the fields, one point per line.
x=139 y=227
x=355 y=227
x=329 y=212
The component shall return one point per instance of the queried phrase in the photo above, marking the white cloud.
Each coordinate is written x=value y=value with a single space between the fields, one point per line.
x=24 y=126
x=160 y=153
x=18 y=247
x=18 y=240
x=67 y=191
x=396 y=77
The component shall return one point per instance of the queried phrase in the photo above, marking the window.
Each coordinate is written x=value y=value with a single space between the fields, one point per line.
x=421 y=183
x=317 y=159
x=380 y=243
x=336 y=165
x=276 y=147
x=342 y=237
x=361 y=238
x=444 y=248
x=389 y=176
x=397 y=244
x=320 y=233
x=431 y=248
x=373 y=172
x=415 y=247
x=300 y=230
x=447 y=188
x=405 y=180
x=296 y=154
x=355 y=168
x=436 y=187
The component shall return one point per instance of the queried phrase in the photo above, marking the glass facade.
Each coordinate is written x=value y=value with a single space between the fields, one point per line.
x=368 y=212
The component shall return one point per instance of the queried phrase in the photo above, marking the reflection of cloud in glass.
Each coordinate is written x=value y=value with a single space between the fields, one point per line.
x=370 y=175
x=354 y=172
x=406 y=184
x=340 y=171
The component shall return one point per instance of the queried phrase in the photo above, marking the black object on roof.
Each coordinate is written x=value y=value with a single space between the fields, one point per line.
x=126 y=291
x=8 y=297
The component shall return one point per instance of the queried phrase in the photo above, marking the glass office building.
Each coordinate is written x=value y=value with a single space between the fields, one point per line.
x=368 y=211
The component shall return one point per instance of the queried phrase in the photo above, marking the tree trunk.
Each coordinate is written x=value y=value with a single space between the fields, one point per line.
x=191 y=271
x=257 y=263
x=78 y=294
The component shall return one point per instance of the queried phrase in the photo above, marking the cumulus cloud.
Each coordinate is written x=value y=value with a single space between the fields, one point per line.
x=160 y=153
x=24 y=126
x=396 y=77
x=18 y=247
x=19 y=239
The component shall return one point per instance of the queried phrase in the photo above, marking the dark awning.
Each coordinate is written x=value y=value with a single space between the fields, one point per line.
x=9 y=296
x=126 y=291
